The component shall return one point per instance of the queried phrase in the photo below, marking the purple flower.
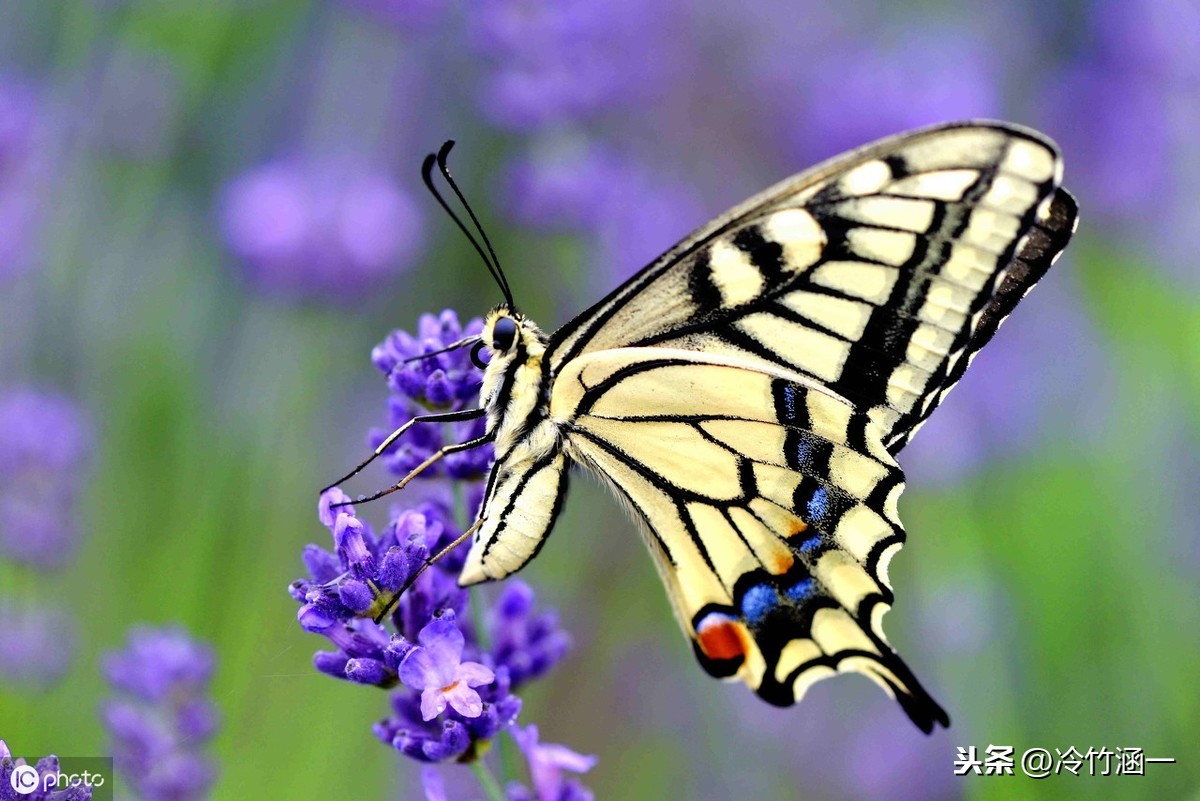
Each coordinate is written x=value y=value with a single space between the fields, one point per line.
x=450 y=694
x=860 y=91
x=453 y=736
x=438 y=382
x=566 y=184
x=331 y=228
x=25 y=165
x=364 y=573
x=1124 y=111
x=582 y=186
x=446 y=382
x=160 y=717
x=527 y=642
x=431 y=782
x=26 y=785
x=45 y=443
x=435 y=667
x=36 y=644
x=556 y=62
x=547 y=765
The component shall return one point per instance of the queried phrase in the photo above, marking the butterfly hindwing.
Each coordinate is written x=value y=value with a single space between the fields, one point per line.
x=872 y=273
x=768 y=503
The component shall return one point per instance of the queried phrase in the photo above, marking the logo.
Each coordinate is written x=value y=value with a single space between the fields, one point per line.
x=24 y=779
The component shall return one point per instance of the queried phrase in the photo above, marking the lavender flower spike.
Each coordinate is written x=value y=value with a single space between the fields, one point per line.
x=323 y=228
x=450 y=695
x=163 y=716
x=435 y=667
x=527 y=641
x=37 y=644
x=45 y=443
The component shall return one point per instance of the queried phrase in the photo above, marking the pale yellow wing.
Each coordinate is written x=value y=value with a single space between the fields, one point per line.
x=878 y=273
x=768 y=503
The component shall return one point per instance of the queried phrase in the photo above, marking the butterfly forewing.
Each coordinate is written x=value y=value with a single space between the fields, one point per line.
x=870 y=273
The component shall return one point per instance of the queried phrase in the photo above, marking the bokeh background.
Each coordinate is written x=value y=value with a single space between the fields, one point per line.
x=211 y=211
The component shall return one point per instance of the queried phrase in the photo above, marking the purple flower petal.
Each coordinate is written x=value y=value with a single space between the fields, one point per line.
x=474 y=674
x=420 y=672
x=444 y=642
x=433 y=702
x=547 y=762
x=463 y=699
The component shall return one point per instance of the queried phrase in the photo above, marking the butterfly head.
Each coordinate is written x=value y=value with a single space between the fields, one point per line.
x=508 y=336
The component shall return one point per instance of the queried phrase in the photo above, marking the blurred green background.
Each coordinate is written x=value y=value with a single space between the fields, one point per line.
x=211 y=211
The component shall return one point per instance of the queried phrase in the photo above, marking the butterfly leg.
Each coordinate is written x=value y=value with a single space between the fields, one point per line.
x=447 y=417
x=429 y=562
x=421 y=468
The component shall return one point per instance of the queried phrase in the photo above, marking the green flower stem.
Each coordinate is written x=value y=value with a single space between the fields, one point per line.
x=487 y=781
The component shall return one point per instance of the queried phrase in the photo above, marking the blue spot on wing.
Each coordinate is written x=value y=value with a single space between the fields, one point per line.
x=810 y=545
x=801 y=590
x=789 y=402
x=818 y=506
x=803 y=453
x=758 y=601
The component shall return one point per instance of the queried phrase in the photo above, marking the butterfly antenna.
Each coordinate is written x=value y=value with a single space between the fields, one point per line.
x=427 y=177
x=498 y=273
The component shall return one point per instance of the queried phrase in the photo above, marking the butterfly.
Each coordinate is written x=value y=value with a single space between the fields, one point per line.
x=746 y=394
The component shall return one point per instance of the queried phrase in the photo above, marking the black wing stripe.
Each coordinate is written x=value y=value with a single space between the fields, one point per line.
x=1045 y=242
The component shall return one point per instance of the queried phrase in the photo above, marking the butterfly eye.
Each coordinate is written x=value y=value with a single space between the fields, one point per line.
x=504 y=333
x=475 y=357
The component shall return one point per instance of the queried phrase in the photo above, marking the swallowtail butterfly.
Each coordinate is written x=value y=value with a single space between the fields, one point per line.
x=746 y=394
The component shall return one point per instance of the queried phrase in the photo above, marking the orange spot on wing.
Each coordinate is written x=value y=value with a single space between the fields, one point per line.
x=722 y=639
x=796 y=526
x=780 y=561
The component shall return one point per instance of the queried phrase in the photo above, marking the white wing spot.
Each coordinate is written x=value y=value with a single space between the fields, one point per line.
x=1010 y=194
x=734 y=275
x=799 y=233
x=859 y=530
x=885 y=561
x=940 y=185
x=845 y=317
x=908 y=214
x=793 y=655
x=1030 y=160
x=824 y=355
x=871 y=282
x=888 y=247
x=990 y=230
x=865 y=179
x=834 y=630
x=969 y=266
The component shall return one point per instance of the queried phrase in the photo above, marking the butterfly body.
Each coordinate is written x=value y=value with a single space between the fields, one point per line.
x=746 y=394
